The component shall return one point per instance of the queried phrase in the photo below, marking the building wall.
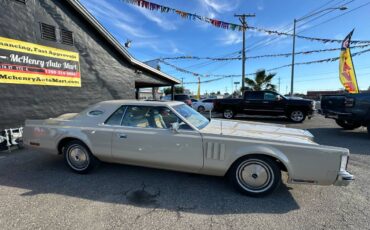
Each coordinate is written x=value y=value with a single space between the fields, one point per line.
x=105 y=74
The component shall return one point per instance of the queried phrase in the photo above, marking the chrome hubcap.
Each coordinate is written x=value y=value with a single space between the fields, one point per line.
x=228 y=113
x=78 y=158
x=255 y=175
x=297 y=116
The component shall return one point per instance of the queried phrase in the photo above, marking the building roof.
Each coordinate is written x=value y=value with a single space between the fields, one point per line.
x=116 y=44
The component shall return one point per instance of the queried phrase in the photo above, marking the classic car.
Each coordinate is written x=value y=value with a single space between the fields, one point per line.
x=171 y=135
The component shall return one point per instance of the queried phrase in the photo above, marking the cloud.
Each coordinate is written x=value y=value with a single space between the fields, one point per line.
x=221 y=6
x=231 y=38
x=159 y=20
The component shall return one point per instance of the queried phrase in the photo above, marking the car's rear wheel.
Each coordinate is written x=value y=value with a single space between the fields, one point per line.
x=255 y=176
x=347 y=125
x=297 y=116
x=201 y=109
x=78 y=157
x=228 y=114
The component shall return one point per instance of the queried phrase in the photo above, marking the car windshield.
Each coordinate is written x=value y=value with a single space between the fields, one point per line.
x=192 y=116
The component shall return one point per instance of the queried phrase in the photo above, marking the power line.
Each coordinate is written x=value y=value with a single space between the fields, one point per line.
x=220 y=77
x=331 y=19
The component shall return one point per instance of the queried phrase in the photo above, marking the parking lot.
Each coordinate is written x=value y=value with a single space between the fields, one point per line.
x=37 y=191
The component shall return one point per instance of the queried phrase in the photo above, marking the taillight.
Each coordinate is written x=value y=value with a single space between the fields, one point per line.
x=349 y=102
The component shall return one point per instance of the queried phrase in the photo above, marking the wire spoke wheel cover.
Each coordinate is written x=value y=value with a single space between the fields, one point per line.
x=78 y=158
x=255 y=176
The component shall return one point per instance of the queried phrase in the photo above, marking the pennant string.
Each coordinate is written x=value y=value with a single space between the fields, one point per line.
x=226 y=25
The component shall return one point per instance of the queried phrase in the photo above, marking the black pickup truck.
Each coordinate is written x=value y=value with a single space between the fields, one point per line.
x=265 y=103
x=350 y=111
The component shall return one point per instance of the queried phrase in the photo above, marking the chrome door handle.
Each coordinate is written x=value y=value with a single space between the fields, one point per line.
x=121 y=135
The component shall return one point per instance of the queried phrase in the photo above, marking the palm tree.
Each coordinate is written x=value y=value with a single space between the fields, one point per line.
x=261 y=81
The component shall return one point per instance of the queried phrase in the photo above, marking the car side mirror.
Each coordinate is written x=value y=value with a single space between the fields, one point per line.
x=278 y=98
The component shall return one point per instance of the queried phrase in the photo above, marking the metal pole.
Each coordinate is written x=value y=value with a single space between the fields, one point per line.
x=242 y=18
x=243 y=53
x=293 y=55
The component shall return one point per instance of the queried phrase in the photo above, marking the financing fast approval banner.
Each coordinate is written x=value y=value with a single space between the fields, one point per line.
x=31 y=64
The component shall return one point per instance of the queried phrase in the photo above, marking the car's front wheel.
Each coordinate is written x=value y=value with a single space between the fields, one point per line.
x=228 y=114
x=297 y=116
x=347 y=125
x=201 y=109
x=255 y=176
x=78 y=157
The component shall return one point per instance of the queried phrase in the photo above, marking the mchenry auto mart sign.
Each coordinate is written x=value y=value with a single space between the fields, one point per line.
x=32 y=64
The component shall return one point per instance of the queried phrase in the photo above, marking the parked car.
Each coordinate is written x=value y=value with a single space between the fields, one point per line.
x=203 y=105
x=350 y=111
x=265 y=103
x=171 y=135
x=179 y=97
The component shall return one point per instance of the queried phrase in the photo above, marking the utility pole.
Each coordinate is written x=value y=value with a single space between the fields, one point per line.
x=293 y=55
x=279 y=84
x=242 y=19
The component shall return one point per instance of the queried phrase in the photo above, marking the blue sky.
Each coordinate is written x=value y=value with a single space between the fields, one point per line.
x=156 y=34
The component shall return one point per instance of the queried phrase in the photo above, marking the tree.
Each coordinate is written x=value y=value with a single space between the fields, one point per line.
x=261 y=81
x=178 y=90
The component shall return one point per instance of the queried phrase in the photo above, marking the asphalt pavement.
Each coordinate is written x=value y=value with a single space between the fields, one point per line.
x=37 y=191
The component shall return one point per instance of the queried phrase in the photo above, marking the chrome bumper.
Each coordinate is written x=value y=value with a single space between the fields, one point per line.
x=344 y=178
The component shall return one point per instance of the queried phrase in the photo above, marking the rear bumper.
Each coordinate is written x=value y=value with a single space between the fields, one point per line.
x=344 y=178
x=334 y=114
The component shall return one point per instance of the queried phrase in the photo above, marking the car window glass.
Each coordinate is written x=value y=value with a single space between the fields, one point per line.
x=150 y=117
x=136 y=116
x=269 y=96
x=116 y=117
x=254 y=96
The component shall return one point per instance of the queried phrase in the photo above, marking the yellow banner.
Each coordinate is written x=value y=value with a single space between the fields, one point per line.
x=31 y=64
x=347 y=73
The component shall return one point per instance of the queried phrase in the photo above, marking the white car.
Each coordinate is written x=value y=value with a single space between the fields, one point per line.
x=203 y=105
x=171 y=135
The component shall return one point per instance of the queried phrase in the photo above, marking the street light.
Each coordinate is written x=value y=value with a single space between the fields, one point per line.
x=294 y=29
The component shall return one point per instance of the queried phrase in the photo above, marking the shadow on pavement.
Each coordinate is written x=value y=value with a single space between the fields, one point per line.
x=137 y=186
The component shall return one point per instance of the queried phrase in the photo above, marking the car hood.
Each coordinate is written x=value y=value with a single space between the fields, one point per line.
x=258 y=130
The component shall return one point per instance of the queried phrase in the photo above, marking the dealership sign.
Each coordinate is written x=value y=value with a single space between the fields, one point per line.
x=32 y=64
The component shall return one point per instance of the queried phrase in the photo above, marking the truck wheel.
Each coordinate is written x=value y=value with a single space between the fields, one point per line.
x=297 y=116
x=347 y=125
x=228 y=114
x=255 y=176
x=78 y=157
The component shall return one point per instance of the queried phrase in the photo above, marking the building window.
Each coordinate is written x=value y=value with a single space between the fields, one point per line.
x=66 y=37
x=48 y=32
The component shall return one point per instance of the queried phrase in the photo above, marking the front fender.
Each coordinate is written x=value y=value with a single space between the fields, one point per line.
x=262 y=150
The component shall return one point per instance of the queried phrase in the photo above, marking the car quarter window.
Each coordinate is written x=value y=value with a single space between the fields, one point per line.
x=269 y=96
x=116 y=117
x=149 y=117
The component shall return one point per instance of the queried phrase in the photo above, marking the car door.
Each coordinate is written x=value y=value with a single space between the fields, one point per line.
x=253 y=103
x=145 y=138
x=272 y=103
